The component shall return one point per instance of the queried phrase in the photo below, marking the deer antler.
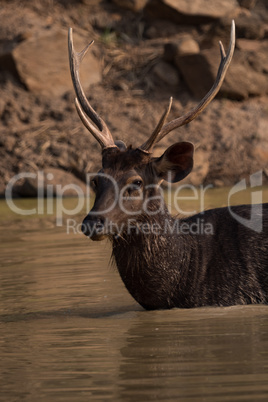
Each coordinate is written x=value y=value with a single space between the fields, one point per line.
x=84 y=109
x=162 y=130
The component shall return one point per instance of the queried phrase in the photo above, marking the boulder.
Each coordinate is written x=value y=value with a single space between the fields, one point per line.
x=43 y=67
x=187 y=45
x=166 y=73
x=247 y=26
x=190 y=12
x=182 y=46
x=199 y=72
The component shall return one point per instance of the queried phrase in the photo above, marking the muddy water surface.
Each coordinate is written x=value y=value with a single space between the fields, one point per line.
x=69 y=331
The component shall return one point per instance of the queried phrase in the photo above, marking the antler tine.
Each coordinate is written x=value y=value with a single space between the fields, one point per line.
x=87 y=123
x=153 y=138
x=84 y=109
x=192 y=114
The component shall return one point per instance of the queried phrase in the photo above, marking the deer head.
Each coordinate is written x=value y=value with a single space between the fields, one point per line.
x=127 y=186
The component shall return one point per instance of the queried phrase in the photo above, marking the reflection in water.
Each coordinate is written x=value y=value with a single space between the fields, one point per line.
x=70 y=331
x=204 y=353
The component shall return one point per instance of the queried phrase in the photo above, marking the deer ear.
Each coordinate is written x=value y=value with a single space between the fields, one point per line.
x=175 y=163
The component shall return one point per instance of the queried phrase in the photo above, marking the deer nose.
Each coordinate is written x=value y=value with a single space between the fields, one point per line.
x=93 y=226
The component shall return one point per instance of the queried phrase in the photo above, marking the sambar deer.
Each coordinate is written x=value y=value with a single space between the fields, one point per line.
x=162 y=263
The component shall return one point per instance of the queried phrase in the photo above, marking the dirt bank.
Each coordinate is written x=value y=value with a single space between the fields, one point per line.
x=39 y=125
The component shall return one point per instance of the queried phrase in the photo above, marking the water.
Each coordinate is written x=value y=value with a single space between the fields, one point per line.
x=70 y=331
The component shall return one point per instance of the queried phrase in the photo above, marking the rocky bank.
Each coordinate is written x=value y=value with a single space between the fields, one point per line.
x=145 y=51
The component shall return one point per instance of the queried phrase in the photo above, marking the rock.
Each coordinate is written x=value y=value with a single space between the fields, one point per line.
x=246 y=26
x=166 y=73
x=241 y=81
x=249 y=4
x=198 y=71
x=249 y=27
x=133 y=5
x=50 y=182
x=170 y=52
x=185 y=45
x=43 y=67
x=190 y=12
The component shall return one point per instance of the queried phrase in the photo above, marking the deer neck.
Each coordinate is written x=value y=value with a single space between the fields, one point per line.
x=147 y=259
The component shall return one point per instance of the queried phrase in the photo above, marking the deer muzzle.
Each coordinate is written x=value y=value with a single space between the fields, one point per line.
x=94 y=227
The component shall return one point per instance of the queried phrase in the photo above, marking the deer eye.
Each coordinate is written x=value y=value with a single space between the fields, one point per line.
x=133 y=186
x=137 y=183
